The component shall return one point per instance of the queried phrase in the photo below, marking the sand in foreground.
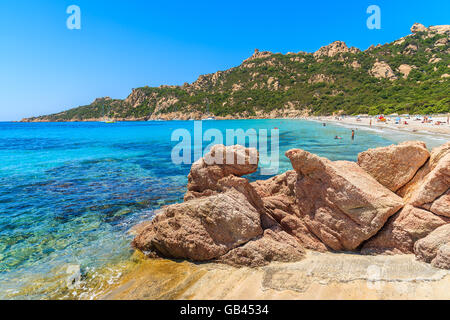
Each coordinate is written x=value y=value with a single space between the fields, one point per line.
x=319 y=276
x=413 y=126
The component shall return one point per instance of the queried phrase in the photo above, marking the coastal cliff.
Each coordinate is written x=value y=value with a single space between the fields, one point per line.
x=394 y=200
x=409 y=75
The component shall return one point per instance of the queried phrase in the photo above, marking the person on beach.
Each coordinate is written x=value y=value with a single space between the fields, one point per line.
x=370 y=122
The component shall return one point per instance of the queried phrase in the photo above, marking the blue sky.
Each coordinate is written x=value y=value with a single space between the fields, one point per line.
x=46 y=68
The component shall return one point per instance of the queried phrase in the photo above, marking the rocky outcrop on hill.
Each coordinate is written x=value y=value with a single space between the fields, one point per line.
x=403 y=230
x=274 y=245
x=321 y=205
x=442 y=29
x=273 y=85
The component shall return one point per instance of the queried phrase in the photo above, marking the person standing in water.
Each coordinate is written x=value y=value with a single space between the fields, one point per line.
x=353 y=134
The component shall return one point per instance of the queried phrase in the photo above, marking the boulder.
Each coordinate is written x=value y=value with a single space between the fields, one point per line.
x=220 y=162
x=442 y=259
x=442 y=29
x=410 y=49
x=273 y=245
x=333 y=49
x=434 y=185
x=436 y=155
x=201 y=229
x=426 y=207
x=382 y=70
x=338 y=201
x=396 y=165
x=405 y=69
x=403 y=230
x=441 y=206
x=428 y=248
x=355 y=64
x=441 y=42
x=279 y=198
x=259 y=55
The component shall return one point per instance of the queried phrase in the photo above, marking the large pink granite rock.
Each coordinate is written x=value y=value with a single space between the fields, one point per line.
x=426 y=198
x=442 y=259
x=279 y=198
x=274 y=245
x=441 y=206
x=339 y=202
x=220 y=162
x=396 y=165
x=403 y=230
x=434 y=247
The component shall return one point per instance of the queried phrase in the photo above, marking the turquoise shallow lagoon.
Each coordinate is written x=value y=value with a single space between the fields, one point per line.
x=70 y=192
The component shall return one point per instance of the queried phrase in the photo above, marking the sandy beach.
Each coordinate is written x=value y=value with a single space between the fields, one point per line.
x=318 y=276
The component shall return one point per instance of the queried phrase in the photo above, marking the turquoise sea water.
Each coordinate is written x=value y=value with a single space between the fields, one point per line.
x=70 y=192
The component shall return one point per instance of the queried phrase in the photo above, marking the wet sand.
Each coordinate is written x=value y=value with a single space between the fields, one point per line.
x=318 y=276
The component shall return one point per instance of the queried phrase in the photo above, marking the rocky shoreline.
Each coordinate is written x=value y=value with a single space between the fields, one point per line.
x=394 y=200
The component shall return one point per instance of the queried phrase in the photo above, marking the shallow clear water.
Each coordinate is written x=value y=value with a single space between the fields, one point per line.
x=69 y=192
